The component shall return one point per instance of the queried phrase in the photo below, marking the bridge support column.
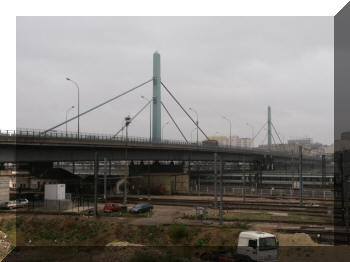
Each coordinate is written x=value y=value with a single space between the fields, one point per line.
x=156 y=119
x=269 y=130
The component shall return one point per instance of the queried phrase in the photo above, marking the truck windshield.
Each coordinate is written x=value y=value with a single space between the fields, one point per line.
x=267 y=243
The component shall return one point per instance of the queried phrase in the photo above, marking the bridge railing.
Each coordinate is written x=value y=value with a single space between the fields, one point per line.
x=57 y=134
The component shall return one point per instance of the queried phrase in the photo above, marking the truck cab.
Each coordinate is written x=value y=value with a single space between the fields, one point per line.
x=258 y=246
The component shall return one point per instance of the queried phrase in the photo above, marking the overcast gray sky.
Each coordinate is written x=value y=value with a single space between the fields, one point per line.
x=231 y=66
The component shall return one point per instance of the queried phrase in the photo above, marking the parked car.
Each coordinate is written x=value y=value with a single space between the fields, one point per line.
x=142 y=208
x=15 y=204
x=22 y=202
x=111 y=207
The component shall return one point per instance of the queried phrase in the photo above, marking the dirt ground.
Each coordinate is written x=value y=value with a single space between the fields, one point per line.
x=132 y=235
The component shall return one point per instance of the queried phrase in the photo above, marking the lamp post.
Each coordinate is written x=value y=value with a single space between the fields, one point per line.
x=77 y=86
x=150 y=116
x=194 y=129
x=69 y=109
x=127 y=122
x=252 y=127
x=196 y=121
x=163 y=128
x=230 y=127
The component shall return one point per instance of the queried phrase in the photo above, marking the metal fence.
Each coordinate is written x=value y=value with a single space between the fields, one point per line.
x=75 y=205
x=266 y=192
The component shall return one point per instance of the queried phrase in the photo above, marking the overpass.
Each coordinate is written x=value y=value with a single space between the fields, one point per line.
x=24 y=145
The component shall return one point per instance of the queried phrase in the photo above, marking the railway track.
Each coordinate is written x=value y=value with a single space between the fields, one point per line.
x=229 y=205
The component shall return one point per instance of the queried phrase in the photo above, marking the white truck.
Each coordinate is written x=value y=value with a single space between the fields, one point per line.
x=258 y=246
x=252 y=246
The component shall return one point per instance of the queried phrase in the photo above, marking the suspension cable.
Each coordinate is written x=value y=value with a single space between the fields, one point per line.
x=264 y=139
x=278 y=136
x=196 y=124
x=95 y=107
x=276 y=132
x=174 y=122
x=143 y=108
x=273 y=138
x=259 y=131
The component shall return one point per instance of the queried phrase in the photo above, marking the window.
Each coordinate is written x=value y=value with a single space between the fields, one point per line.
x=252 y=243
x=267 y=243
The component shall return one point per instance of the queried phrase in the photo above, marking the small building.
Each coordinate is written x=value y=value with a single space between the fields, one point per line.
x=55 y=197
x=4 y=188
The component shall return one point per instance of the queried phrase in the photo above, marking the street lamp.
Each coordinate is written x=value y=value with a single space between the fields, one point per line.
x=150 y=116
x=230 y=127
x=196 y=121
x=194 y=129
x=163 y=128
x=77 y=86
x=127 y=122
x=69 y=109
x=252 y=127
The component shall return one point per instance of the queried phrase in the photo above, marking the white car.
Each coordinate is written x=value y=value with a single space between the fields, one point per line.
x=15 y=204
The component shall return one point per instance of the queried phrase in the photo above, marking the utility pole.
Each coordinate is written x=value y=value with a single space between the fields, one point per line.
x=127 y=122
x=77 y=86
x=196 y=121
x=105 y=180
x=252 y=141
x=95 y=184
x=67 y=117
x=215 y=182
x=323 y=170
x=221 y=189
x=199 y=183
x=243 y=186
x=301 y=173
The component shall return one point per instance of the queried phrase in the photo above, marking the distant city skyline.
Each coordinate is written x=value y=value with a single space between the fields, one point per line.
x=220 y=66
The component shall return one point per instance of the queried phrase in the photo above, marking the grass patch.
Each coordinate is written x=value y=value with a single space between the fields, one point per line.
x=203 y=241
x=8 y=226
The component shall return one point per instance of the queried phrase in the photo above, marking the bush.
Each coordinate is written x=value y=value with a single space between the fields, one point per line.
x=177 y=232
x=201 y=242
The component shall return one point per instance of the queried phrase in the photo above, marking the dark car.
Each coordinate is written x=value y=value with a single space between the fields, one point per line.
x=141 y=208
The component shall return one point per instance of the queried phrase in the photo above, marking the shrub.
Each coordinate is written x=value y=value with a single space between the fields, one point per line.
x=177 y=232
x=201 y=242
